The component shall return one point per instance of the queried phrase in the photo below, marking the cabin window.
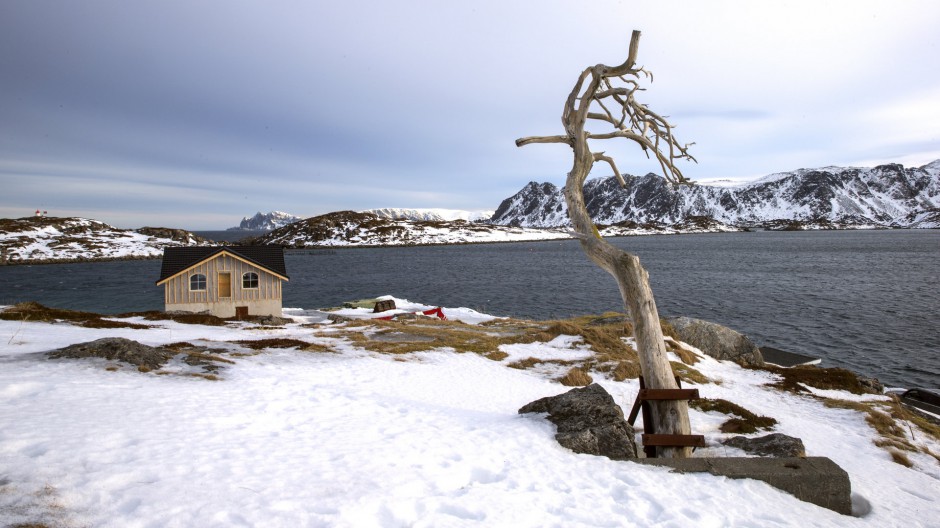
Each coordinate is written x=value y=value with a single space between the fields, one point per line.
x=250 y=280
x=197 y=282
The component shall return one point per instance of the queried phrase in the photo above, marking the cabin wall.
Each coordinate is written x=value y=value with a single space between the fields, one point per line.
x=263 y=300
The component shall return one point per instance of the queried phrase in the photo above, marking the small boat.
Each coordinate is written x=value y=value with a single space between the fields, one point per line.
x=433 y=312
x=782 y=358
x=923 y=399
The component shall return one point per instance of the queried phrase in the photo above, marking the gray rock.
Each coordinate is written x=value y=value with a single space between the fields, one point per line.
x=817 y=480
x=773 y=445
x=871 y=385
x=588 y=421
x=719 y=342
x=117 y=349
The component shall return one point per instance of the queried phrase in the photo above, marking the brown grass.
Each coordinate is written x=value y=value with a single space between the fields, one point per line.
x=893 y=423
x=33 y=311
x=576 y=378
x=276 y=342
x=404 y=337
x=688 y=374
x=184 y=318
x=525 y=364
x=685 y=355
x=603 y=334
x=744 y=421
x=820 y=378
x=900 y=457
x=627 y=370
x=206 y=357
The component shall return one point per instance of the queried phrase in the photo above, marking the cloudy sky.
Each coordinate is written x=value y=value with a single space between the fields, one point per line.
x=195 y=113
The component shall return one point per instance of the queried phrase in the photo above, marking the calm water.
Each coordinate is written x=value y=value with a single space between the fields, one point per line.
x=864 y=300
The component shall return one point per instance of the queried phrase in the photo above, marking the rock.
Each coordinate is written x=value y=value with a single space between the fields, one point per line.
x=774 y=445
x=117 y=349
x=719 y=342
x=271 y=320
x=871 y=385
x=588 y=421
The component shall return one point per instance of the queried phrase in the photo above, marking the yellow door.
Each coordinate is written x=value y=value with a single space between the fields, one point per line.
x=225 y=284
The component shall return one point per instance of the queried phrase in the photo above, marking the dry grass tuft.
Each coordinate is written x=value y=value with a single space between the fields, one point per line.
x=745 y=421
x=275 y=342
x=685 y=355
x=576 y=378
x=627 y=370
x=198 y=356
x=496 y=356
x=317 y=347
x=820 y=378
x=688 y=374
x=525 y=364
x=33 y=311
x=900 y=457
x=606 y=340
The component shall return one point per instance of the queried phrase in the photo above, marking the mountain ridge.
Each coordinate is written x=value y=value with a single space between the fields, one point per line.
x=882 y=196
x=265 y=221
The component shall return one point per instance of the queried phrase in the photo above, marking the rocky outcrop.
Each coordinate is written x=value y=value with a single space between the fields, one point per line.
x=46 y=239
x=719 y=342
x=588 y=421
x=117 y=349
x=773 y=445
x=177 y=235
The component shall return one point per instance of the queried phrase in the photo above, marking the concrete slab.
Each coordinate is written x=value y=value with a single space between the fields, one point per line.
x=817 y=480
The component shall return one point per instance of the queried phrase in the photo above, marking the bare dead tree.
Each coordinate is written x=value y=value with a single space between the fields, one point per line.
x=606 y=95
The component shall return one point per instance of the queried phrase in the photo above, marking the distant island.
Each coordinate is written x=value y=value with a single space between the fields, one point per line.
x=883 y=197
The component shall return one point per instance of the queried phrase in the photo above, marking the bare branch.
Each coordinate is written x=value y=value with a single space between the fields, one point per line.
x=599 y=156
x=521 y=142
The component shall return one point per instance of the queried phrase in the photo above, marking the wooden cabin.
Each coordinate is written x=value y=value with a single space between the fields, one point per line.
x=225 y=281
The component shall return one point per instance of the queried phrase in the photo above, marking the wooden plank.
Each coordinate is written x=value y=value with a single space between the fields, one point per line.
x=668 y=394
x=673 y=440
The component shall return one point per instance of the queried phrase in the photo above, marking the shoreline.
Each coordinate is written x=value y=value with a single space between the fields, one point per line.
x=82 y=260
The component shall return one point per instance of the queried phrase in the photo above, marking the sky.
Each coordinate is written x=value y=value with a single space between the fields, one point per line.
x=195 y=114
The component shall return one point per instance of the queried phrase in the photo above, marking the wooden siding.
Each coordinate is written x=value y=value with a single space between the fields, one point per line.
x=176 y=290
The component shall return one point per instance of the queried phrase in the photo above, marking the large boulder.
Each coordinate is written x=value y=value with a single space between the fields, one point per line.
x=773 y=445
x=588 y=421
x=719 y=342
x=117 y=349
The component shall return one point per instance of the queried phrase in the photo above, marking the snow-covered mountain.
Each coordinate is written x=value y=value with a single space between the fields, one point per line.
x=348 y=228
x=265 y=221
x=431 y=215
x=51 y=239
x=883 y=196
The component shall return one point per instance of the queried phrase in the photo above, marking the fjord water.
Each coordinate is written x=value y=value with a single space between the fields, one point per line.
x=863 y=300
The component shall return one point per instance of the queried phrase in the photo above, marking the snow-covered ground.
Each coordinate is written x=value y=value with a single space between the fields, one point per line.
x=354 y=438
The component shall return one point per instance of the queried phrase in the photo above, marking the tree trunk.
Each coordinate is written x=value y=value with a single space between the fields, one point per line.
x=669 y=417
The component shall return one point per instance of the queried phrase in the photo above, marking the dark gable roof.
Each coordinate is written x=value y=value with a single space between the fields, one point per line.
x=177 y=259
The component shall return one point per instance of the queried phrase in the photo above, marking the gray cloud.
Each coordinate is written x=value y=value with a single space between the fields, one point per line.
x=193 y=113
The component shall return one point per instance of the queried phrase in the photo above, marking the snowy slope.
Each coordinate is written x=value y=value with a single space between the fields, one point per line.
x=340 y=436
x=885 y=196
x=431 y=215
x=49 y=239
